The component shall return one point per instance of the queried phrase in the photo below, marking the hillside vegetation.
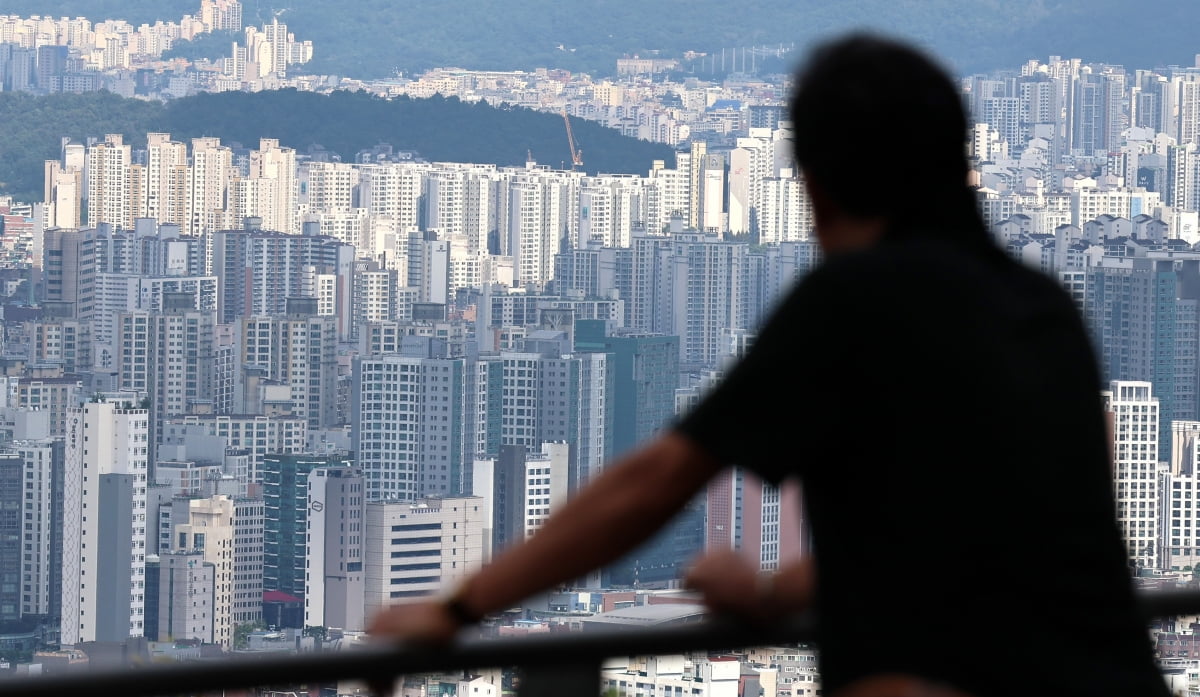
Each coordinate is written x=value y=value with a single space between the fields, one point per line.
x=374 y=38
x=343 y=122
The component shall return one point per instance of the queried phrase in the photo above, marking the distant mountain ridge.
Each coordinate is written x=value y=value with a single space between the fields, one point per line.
x=343 y=122
x=374 y=38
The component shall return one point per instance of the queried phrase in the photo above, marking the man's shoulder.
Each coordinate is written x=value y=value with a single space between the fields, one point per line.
x=921 y=267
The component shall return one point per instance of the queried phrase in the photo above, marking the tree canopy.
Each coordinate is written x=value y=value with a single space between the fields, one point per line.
x=342 y=122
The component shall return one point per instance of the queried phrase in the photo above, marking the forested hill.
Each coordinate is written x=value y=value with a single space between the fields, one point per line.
x=343 y=122
x=373 y=38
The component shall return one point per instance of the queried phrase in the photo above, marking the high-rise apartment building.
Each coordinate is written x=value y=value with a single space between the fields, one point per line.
x=60 y=342
x=208 y=190
x=1143 y=316
x=108 y=184
x=42 y=516
x=165 y=196
x=549 y=394
x=541 y=214
x=521 y=488
x=12 y=495
x=248 y=521
x=272 y=191
x=1137 y=472
x=645 y=374
x=63 y=196
x=259 y=435
x=259 y=271
x=104 y=523
x=55 y=396
x=1179 y=544
x=394 y=191
x=298 y=350
x=409 y=424
x=694 y=286
x=169 y=356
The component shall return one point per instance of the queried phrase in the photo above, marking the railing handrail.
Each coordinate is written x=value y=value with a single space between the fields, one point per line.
x=380 y=663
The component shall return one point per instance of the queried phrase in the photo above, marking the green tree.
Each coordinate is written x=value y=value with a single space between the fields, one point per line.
x=242 y=632
x=316 y=631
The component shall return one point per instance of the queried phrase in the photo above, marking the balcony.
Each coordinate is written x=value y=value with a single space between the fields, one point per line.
x=550 y=665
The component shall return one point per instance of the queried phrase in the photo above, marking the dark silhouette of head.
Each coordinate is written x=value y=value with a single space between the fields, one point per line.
x=861 y=100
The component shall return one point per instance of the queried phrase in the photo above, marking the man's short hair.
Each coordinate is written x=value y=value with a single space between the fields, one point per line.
x=859 y=101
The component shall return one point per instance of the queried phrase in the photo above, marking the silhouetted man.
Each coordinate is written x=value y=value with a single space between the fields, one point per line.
x=940 y=404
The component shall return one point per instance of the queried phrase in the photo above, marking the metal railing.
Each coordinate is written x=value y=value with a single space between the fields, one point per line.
x=551 y=664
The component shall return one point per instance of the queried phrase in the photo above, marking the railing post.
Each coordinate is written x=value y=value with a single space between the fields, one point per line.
x=574 y=679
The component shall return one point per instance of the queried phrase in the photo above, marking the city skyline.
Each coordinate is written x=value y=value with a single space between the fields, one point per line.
x=264 y=385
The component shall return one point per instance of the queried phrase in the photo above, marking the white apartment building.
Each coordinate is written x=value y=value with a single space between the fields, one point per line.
x=408 y=425
x=414 y=549
x=542 y=209
x=164 y=197
x=299 y=350
x=784 y=212
x=42 y=496
x=351 y=226
x=256 y=433
x=104 y=523
x=117 y=293
x=537 y=488
x=247 y=560
x=394 y=191
x=654 y=676
x=207 y=188
x=667 y=194
x=1137 y=473
x=107 y=177
x=330 y=187
x=274 y=193
x=1180 y=535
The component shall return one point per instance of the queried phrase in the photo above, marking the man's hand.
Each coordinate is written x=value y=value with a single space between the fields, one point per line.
x=732 y=586
x=425 y=622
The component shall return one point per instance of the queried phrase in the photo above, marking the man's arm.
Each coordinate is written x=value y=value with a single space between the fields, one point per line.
x=624 y=506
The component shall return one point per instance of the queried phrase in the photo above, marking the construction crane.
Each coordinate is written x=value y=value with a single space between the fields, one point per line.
x=576 y=155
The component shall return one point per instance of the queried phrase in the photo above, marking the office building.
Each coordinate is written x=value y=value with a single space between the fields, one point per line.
x=285 y=516
x=206 y=526
x=186 y=587
x=333 y=576
x=69 y=269
x=413 y=549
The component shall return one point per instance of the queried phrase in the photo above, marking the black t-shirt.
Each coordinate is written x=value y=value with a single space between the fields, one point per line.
x=942 y=407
